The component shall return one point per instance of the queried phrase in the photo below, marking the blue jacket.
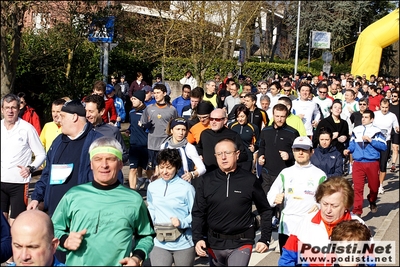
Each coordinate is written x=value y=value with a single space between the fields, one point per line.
x=172 y=198
x=120 y=109
x=42 y=187
x=329 y=160
x=364 y=151
x=6 y=249
x=151 y=101
x=179 y=103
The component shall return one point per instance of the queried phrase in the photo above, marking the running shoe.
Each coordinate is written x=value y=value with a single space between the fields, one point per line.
x=381 y=190
x=393 y=168
x=140 y=182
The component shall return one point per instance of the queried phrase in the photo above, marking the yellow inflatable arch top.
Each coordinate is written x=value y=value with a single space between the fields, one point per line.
x=368 y=51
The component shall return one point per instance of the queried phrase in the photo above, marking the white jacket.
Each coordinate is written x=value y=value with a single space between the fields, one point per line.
x=299 y=183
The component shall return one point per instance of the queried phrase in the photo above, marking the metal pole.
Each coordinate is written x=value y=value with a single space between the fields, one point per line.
x=106 y=47
x=309 y=50
x=105 y=62
x=297 y=40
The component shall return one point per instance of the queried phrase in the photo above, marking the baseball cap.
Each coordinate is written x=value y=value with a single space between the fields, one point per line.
x=109 y=89
x=302 y=142
x=147 y=88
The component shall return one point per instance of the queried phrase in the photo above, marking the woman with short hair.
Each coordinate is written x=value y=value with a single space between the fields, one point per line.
x=170 y=200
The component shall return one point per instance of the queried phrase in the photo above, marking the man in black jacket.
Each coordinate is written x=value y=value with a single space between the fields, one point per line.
x=210 y=137
x=222 y=221
x=275 y=150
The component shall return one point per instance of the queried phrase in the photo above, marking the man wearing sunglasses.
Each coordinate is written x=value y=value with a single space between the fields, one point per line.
x=210 y=137
x=323 y=100
x=204 y=109
x=356 y=117
x=288 y=91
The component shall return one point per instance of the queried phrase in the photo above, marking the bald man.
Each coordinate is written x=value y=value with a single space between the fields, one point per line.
x=218 y=131
x=33 y=240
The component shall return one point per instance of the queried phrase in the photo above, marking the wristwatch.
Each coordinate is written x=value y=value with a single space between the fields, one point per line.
x=31 y=168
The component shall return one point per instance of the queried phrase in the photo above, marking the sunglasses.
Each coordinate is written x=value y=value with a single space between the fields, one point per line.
x=216 y=119
x=362 y=104
x=322 y=92
x=242 y=96
x=287 y=90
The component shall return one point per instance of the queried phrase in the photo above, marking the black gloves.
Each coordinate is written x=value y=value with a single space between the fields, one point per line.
x=148 y=125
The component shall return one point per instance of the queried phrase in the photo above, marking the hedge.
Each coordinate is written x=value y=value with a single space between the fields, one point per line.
x=175 y=69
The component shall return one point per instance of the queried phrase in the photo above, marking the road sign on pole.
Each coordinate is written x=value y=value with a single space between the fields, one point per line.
x=327 y=56
x=326 y=68
x=321 y=40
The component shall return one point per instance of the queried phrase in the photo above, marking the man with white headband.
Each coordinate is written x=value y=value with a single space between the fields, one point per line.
x=96 y=221
x=67 y=161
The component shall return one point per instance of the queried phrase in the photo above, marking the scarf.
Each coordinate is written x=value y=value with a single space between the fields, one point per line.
x=171 y=143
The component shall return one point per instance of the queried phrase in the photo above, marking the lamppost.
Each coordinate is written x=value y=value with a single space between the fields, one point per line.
x=297 y=40
x=309 y=50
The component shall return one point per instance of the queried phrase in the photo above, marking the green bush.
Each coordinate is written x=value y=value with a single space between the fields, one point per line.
x=175 y=68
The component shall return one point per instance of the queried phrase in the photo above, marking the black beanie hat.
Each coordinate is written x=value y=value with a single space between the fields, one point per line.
x=204 y=108
x=139 y=94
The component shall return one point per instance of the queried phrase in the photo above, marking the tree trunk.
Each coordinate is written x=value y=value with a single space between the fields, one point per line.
x=260 y=33
x=9 y=61
x=227 y=31
x=69 y=62
x=275 y=45
x=269 y=32
x=234 y=42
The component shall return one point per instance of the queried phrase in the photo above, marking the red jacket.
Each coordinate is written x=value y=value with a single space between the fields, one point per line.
x=32 y=117
x=374 y=102
x=110 y=114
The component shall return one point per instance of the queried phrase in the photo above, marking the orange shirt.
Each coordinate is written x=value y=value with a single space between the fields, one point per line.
x=194 y=132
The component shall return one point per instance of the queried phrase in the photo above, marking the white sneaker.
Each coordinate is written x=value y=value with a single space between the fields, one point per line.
x=381 y=190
